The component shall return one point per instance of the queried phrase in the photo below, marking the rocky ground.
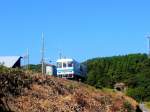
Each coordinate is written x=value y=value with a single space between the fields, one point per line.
x=30 y=92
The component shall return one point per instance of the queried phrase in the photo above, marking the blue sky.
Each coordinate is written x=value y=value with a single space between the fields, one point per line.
x=80 y=29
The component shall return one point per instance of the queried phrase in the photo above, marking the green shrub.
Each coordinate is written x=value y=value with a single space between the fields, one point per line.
x=128 y=107
x=136 y=93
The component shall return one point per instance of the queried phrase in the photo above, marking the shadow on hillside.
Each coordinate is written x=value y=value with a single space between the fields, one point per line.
x=138 y=109
x=3 y=107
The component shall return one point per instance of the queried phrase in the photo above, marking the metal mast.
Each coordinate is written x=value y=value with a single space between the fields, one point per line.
x=148 y=45
x=42 y=52
x=60 y=55
x=27 y=59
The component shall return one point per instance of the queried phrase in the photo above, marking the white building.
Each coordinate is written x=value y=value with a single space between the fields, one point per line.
x=10 y=61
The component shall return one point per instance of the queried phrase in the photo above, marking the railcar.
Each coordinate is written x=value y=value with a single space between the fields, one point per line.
x=70 y=69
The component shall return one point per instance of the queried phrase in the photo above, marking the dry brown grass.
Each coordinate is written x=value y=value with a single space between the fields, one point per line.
x=50 y=94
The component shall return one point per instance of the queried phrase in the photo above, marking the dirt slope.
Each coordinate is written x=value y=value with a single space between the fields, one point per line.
x=27 y=92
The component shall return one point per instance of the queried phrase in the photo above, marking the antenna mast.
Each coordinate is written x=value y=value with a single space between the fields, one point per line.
x=27 y=59
x=42 y=60
x=60 y=55
x=148 y=46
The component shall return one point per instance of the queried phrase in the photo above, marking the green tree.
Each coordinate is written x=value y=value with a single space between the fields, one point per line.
x=132 y=69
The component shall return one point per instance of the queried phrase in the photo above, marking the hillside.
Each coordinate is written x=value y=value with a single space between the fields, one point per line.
x=133 y=70
x=29 y=92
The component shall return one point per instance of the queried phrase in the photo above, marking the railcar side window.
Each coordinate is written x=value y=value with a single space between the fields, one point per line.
x=64 y=65
x=59 y=65
x=70 y=64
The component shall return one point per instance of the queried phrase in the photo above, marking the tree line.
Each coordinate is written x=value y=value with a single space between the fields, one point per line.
x=132 y=69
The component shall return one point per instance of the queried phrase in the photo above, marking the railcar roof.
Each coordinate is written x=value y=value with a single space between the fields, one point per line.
x=64 y=60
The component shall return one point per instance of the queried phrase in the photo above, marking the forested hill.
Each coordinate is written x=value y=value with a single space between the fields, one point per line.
x=132 y=69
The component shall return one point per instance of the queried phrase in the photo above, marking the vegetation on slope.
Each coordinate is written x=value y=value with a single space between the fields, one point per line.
x=147 y=104
x=132 y=69
x=27 y=92
x=33 y=67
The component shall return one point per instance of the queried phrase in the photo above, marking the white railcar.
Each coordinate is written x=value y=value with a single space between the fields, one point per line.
x=69 y=68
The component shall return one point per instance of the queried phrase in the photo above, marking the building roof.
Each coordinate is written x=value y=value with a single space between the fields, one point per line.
x=9 y=61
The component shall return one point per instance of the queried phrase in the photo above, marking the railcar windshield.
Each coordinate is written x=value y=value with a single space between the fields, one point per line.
x=70 y=64
x=59 y=65
x=64 y=65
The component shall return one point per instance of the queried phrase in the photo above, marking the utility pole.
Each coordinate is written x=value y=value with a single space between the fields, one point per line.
x=27 y=59
x=60 y=55
x=148 y=46
x=42 y=52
